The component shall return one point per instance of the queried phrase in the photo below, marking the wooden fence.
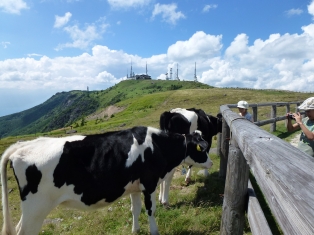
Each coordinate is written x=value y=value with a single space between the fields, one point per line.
x=284 y=174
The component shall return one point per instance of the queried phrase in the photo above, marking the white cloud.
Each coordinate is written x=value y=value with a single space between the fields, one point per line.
x=200 y=45
x=168 y=13
x=293 y=11
x=83 y=38
x=238 y=47
x=13 y=6
x=128 y=3
x=34 y=55
x=60 y=21
x=310 y=8
x=5 y=44
x=208 y=7
x=278 y=62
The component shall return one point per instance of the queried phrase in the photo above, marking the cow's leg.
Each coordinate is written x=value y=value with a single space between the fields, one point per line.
x=188 y=175
x=136 y=205
x=150 y=204
x=18 y=226
x=161 y=191
x=34 y=210
x=166 y=188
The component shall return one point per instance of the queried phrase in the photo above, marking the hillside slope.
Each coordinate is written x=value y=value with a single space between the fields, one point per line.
x=65 y=108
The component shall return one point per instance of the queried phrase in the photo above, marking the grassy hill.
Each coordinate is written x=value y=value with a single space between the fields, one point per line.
x=65 y=108
x=196 y=209
x=141 y=103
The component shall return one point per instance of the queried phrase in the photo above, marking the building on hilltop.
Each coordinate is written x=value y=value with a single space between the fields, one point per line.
x=138 y=76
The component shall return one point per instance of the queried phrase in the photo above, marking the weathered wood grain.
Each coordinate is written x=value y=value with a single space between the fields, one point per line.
x=219 y=139
x=225 y=137
x=283 y=172
x=235 y=194
x=273 y=115
x=255 y=214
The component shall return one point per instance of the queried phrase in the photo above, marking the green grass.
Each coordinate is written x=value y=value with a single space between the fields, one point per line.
x=196 y=209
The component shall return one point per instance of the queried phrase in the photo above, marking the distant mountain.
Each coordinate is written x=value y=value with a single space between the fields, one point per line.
x=65 y=108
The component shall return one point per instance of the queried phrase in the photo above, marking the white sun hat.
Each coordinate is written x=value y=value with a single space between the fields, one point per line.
x=308 y=104
x=243 y=104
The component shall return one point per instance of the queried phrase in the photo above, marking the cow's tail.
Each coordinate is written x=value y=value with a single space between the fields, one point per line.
x=7 y=228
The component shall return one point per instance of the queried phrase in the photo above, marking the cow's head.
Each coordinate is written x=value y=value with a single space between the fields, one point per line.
x=195 y=152
x=217 y=123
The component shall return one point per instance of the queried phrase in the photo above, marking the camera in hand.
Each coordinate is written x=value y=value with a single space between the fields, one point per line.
x=290 y=116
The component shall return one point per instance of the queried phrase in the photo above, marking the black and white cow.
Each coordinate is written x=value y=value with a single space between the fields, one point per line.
x=89 y=172
x=186 y=121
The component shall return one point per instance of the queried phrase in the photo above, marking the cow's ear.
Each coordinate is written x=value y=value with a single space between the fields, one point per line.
x=202 y=146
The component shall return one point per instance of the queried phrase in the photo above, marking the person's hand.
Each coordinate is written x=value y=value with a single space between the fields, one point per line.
x=297 y=116
x=287 y=116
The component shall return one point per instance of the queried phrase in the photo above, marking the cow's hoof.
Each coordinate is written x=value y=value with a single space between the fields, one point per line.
x=135 y=231
x=166 y=205
x=187 y=180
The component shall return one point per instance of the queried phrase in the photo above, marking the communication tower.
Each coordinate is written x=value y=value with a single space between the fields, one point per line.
x=177 y=77
x=195 y=77
x=170 y=73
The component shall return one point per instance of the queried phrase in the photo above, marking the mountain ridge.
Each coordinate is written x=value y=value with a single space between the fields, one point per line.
x=65 y=108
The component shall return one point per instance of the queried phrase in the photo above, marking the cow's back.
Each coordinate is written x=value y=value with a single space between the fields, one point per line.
x=179 y=120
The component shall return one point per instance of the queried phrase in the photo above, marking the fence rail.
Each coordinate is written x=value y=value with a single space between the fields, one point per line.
x=274 y=117
x=283 y=173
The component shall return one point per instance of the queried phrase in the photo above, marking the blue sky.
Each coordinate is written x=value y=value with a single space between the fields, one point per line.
x=50 y=46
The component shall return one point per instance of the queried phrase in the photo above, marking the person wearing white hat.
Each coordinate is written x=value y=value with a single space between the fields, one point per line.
x=243 y=107
x=306 y=143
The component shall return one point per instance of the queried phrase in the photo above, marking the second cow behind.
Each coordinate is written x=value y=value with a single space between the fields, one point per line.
x=185 y=121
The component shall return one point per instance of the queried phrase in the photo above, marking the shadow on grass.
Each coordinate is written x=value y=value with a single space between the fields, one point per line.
x=284 y=135
x=274 y=227
x=212 y=191
x=209 y=194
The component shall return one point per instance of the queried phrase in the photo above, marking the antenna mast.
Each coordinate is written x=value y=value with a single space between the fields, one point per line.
x=177 y=73
x=195 y=77
x=170 y=73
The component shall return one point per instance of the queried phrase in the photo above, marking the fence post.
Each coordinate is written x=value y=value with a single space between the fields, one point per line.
x=287 y=111
x=254 y=113
x=219 y=135
x=235 y=194
x=296 y=107
x=225 y=137
x=287 y=108
x=273 y=115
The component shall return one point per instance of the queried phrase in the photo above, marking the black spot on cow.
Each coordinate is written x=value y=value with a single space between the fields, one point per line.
x=33 y=177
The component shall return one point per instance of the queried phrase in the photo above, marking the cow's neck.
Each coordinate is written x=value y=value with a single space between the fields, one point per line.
x=172 y=146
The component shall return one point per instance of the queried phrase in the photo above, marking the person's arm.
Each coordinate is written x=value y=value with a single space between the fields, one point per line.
x=307 y=132
x=290 y=126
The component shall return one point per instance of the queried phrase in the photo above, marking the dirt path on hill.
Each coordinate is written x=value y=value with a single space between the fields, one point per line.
x=107 y=113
